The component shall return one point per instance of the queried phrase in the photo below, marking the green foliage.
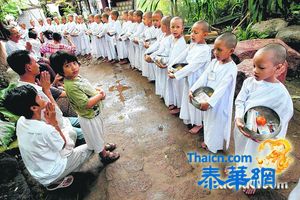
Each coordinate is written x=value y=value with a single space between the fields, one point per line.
x=7 y=133
x=9 y=7
x=248 y=33
x=294 y=14
x=145 y=5
x=219 y=11
x=262 y=9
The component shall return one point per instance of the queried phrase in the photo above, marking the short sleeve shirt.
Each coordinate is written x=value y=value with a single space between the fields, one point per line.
x=40 y=145
x=79 y=90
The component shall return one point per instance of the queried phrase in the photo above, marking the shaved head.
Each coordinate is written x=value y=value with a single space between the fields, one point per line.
x=177 y=19
x=158 y=12
x=166 y=21
x=277 y=51
x=130 y=12
x=229 y=39
x=204 y=25
x=148 y=14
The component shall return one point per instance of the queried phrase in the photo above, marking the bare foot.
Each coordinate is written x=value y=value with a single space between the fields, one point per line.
x=195 y=130
x=171 y=107
x=175 y=111
x=204 y=146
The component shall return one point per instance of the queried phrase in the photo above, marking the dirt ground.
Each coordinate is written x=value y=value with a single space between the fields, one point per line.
x=153 y=144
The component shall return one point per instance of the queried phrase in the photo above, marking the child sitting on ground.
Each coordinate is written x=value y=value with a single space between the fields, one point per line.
x=86 y=101
x=262 y=90
x=220 y=75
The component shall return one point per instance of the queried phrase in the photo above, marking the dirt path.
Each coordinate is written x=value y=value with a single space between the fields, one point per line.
x=153 y=144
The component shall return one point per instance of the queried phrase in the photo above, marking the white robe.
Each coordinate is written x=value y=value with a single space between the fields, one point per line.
x=147 y=70
x=161 y=75
x=174 y=88
x=128 y=35
x=152 y=69
x=197 y=56
x=76 y=39
x=120 y=44
x=113 y=27
x=84 y=39
x=62 y=30
x=101 y=42
x=71 y=28
x=217 y=119
x=92 y=31
x=261 y=93
x=137 y=49
x=124 y=37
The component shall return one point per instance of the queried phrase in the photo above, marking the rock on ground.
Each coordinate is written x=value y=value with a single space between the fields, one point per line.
x=290 y=35
x=270 y=27
x=246 y=50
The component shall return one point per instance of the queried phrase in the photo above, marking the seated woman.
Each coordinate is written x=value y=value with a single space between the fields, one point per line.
x=55 y=45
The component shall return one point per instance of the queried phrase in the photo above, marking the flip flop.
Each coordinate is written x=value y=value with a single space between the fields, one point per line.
x=110 y=147
x=66 y=182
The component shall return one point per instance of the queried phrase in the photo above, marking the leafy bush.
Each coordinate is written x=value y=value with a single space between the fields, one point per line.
x=248 y=33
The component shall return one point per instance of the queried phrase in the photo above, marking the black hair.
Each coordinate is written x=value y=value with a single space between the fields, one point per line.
x=48 y=34
x=7 y=30
x=59 y=59
x=19 y=100
x=32 y=34
x=56 y=36
x=17 y=61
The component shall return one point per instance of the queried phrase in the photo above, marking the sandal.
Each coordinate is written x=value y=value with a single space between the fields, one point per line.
x=110 y=146
x=66 y=182
x=109 y=157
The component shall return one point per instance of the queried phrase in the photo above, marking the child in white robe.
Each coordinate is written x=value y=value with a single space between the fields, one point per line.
x=220 y=75
x=84 y=39
x=152 y=53
x=91 y=29
x=174 y=87
x=103 y=48
x=114 y=27
x=96 y=29
x=197 y=57
x=156 y=18
x=88 y=34
x=76 y=36
x=135 y=39
x=262 y=90
x=121 y=45
x=71 y=29
x=114 y=30
x=131 y=29
x=146 y=37
x=63 y=28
